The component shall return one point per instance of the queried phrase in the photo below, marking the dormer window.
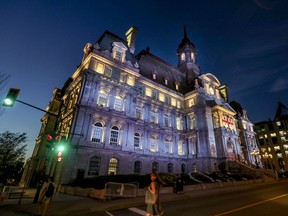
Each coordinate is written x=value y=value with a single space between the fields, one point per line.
x=166 y=81
x=192 y=56
x=177 y=86
x=182 y=56
x=119 y=51
x=154 y=76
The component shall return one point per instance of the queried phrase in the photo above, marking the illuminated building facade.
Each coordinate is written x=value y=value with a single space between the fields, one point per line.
x=124 y=113
x=272 y=137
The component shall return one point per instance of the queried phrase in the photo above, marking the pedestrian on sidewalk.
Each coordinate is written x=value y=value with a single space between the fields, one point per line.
x=46 y=194
x=154 y=208
x=179 y=184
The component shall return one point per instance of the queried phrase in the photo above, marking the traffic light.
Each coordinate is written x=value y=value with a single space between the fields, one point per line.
x=52 y=139
x=11 y=97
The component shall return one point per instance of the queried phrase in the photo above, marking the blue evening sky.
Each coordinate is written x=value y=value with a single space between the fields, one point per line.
x=242 y=42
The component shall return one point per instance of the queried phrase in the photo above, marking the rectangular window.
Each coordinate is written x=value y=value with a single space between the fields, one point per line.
x=100 y=68
x=136 y=142
x=108 y=71
x=153 y=117
x=118 y=55
x=161 y=97
x=130 y=80
x=167 y=121
x=96 y=137
x=138 y=113
x=114 y=138
x=167 y=99
x=173 y=102
x=148 y=92
x=122 y=77
x=154 y=95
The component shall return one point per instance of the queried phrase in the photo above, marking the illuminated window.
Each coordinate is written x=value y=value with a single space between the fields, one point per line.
x=182 y=56
x=97 y=132
x=137 y=167
x=179 y=123
x=93 y=65
x=130 y=81
x=94 y=165
x=118 y=103
x=166 y=82
x=153 y=144
x=102 y=98
x=192 y=56
x=154 y=76
x=273 y=134
x=100 y=68
x=180 y=148
x=173 y=101
x=161 y=97
x=193 y=145
x=177 y=86
x=113 y=166
x=114 y=135
x=178 y=104
x=244 y=125
x=191 y=102
x=192 y=122
x=278 y=123
x=137 y=140
x=148 y=92
x=170 y=168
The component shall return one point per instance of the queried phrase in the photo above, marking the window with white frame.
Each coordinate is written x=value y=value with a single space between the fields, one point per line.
x=94 y=165
x=114 y=135
x=97 y=133
x=179 y=123
x=167 y=120
x=168 y=146
x=153 y=144
x=102 y=98
x=193 y=145
x=137 y=140
x=113 y=166
x=118 y=103
x=180 y=148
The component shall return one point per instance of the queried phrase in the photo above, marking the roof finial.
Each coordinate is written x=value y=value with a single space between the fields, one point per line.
x=185 y=32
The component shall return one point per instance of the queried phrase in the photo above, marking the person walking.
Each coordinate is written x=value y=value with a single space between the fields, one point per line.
x=153 y=202
x=45 y=196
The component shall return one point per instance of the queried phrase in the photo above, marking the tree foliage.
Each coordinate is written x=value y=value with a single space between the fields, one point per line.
x=12 y=154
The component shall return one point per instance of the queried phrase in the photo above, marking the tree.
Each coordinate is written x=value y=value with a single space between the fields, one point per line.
x=12 y=155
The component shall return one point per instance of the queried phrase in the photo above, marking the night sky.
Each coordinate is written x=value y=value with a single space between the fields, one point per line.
x=243 y=43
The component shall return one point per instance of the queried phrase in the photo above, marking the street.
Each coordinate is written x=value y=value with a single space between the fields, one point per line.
x=261 y=200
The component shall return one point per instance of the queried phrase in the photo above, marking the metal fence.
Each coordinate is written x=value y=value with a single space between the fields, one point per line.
x=116 y=189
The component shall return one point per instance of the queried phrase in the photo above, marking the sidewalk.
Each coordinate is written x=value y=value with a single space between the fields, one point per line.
x=64 y=204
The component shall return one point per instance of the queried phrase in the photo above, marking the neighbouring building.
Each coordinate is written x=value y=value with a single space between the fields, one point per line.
x=272 y=137
x=123 y=113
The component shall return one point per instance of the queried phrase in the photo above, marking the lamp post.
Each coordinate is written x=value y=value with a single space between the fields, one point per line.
x=255 y=153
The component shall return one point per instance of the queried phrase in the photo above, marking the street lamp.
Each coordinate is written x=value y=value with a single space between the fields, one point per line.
x=266 y=156
x=255 y=153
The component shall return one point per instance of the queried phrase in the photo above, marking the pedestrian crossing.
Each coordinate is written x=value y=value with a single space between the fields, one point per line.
x=127 y=212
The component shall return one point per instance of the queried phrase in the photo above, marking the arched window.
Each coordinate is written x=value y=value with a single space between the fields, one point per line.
x=97 y=133
x=113 y=166
x=155 y=167
x=170 y=168
x=137 y=167
x=114 y=135
x=153 y=144
x=94 y=165
x=102 y=98
x=137 y=140
x=192 y=122
x=118 y=103
x=182 y=57
x=183 y=168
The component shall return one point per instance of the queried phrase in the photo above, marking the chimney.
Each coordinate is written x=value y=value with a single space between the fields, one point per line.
x=131 y=37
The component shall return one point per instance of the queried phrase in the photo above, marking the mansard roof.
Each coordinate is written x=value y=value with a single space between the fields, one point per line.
x=108 y=38
x=282 y=111
x=150 y=64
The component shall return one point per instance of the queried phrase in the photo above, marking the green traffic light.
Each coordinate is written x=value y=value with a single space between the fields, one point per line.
x=61 y=148
x=11 y=97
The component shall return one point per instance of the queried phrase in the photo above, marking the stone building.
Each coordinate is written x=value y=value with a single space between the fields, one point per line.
x=124 y=113
x=272 y=137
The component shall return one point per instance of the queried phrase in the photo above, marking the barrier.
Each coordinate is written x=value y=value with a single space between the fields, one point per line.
x=116 y=189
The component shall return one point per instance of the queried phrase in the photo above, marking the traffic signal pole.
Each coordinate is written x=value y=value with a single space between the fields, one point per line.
x=37 y=108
